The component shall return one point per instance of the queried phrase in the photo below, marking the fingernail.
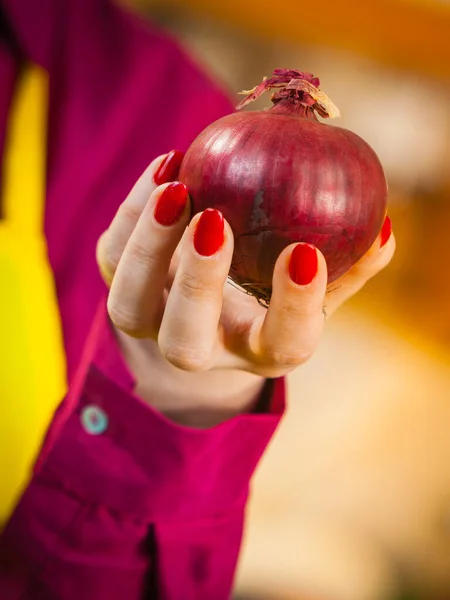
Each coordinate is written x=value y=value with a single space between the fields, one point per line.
x=386 y=231
x=171 y=204
x=168 y=169
x=303 y=264
x=209 y=234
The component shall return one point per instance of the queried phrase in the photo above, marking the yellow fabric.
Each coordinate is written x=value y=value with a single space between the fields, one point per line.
x=32 y=360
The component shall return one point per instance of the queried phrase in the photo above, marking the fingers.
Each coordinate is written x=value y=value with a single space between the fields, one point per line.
x=188 y=335
x=112 y=243
x=376 y=259
x=289 y=333
x=135 y=298
x=167 y=282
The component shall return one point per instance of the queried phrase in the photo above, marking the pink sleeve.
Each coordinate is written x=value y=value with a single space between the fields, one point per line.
x=124 y=502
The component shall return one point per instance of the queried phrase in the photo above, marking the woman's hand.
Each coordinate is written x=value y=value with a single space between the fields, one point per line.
x=209 y=345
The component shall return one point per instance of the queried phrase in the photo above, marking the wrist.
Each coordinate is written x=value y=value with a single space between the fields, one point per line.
x=199 y=400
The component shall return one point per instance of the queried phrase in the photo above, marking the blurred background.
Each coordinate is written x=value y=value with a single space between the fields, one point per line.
x=352 y=500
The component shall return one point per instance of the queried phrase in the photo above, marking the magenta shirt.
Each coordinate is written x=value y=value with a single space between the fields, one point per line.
x=123 y=504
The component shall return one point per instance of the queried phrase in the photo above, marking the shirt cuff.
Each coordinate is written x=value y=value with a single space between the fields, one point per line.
x=109 y=446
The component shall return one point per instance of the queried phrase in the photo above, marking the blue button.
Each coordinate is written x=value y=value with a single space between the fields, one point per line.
x=94 y=420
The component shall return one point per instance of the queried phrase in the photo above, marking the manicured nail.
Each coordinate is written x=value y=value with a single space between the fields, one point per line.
x=303 y=264
x=168 y=169
x=209 y=233
x=386 y=231
x=171 y=204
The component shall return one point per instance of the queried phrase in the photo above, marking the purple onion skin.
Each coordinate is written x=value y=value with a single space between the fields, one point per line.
x=280 y=179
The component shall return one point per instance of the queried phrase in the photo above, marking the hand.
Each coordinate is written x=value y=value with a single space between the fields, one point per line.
x=200 y=348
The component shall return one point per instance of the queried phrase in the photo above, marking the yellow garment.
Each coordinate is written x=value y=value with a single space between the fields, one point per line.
x=32 y=359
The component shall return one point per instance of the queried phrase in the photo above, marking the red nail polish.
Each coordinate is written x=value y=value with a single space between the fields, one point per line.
x=171 y=204
x=303 y=264
x=168 y=169
x=209 y=234
x=386 y=231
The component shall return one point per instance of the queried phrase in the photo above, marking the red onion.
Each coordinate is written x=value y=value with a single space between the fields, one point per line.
x=281 y=176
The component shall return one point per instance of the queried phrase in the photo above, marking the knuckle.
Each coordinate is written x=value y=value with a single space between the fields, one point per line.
x=124 y=319
x=186 y=359
x=193 y=286
x=106 y=274
x=140 y=254
x=305 y=309
x=281 y=357
x=107 y=257
x=299 y=311
x=109 y=265
x=129 y=211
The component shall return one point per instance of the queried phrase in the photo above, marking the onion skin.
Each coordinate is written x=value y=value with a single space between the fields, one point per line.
x=280 y=176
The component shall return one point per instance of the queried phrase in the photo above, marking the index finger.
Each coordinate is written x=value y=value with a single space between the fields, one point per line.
x=111 y=245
